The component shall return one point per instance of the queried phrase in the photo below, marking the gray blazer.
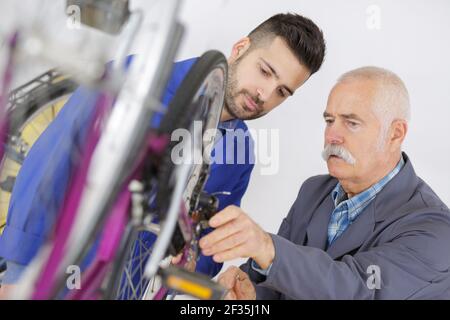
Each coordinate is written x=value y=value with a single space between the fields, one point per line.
x=404 y=232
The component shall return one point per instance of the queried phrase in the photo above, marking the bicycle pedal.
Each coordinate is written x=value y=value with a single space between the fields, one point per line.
x=194 y=284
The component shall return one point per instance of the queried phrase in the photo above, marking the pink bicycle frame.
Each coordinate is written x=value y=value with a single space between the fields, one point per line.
x=45 y=284
x=116 y=224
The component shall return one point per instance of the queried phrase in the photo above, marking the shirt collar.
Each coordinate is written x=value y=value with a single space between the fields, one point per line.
x=359 y=201
x=228 y=125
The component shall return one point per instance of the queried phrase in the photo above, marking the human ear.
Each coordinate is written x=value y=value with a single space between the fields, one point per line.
x=239 y=48
x=399 y=129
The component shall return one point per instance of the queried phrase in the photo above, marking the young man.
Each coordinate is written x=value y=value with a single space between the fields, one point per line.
x=265 y=68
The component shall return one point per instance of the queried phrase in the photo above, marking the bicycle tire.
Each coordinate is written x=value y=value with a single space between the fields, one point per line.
x=179 y=118
x=180 y=115
x=38 y=97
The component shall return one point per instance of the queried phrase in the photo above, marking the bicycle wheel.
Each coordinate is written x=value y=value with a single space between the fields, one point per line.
x=206 y=79
x=32 y=107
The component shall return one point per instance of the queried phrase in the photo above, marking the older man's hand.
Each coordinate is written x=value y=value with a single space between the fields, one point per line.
x=238 y=284
x=237 y=236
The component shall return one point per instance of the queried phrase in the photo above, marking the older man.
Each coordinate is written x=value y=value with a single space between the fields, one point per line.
x=371 y=229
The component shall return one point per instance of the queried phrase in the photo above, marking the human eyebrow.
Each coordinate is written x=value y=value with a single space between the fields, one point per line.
x=327 y=115
x=268 y=65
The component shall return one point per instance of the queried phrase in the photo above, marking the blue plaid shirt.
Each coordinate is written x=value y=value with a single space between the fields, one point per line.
x=347 y=210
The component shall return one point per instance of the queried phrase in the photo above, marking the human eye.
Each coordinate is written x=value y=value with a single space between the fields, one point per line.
x=329 y=121
x=282 y=93
x=264 y=71
x=352 y=124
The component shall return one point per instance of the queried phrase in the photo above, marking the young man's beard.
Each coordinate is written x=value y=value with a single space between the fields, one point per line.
x=230 y=96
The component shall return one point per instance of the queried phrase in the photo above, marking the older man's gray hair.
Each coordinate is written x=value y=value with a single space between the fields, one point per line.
x=391 y=99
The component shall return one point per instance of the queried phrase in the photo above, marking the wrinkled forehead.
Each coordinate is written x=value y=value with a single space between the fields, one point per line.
x=354 y=97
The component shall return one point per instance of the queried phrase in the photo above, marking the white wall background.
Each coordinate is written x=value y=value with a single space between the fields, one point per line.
x=413 y=41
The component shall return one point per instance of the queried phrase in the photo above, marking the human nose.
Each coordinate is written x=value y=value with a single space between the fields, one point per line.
x=333 y=135
x=265 y=90
x=262 y=96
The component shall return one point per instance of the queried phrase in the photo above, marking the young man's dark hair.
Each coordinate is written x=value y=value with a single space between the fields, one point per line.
x=301 y=34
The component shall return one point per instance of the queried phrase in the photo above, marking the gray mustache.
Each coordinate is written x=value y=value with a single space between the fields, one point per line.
x=339 y=151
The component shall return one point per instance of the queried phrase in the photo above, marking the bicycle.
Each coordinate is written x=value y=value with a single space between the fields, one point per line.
x=31 y=108
x=108 y=197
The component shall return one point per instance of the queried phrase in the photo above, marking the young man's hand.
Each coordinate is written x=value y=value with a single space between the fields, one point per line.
x=238 y=284
x=237 y=236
